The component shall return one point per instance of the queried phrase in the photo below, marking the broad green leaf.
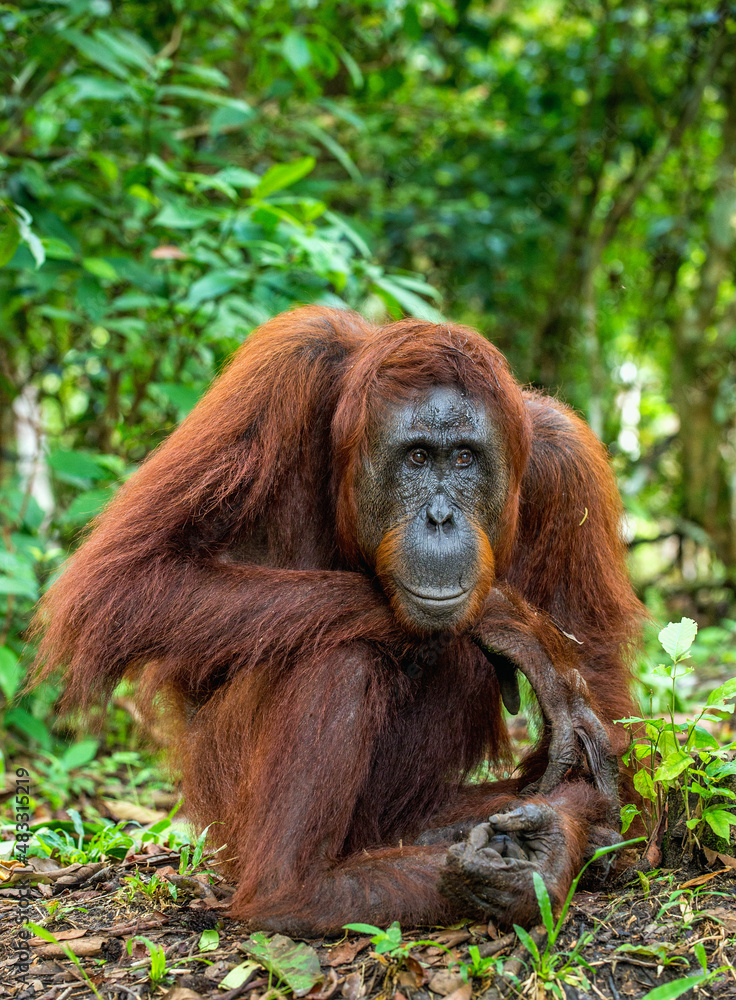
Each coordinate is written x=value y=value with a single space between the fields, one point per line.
x=674 y=989
x=294 y=963
x=11 y=672
x=58 y=249
x=672 y=766
x=76 y=464
x=678 y=637
x=723 y=694
x=239 y=975
x=97 y=88
x=86 y=506
x=702 y=739
x=363 y=929
x=100 y=268
x=408 y=300
x=79 y=754
x=128 y=48
x=213 y=285
x=239 y=177
x=226 y=117
x=629 y=812
x=95 y=51
x=9 y=235
x=182 y=217
x=183 y=397
x=18 y=587
x=643 y=784
x=283 y=175
x=295 y=50
x=209 y=941
x=28 y=725
x=528 y=941
x=720 y=821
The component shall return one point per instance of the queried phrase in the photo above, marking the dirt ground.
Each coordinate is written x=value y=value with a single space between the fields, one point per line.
x=98 y=912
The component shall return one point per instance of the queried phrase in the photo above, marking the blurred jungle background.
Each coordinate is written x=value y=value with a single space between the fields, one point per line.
x=560 y=175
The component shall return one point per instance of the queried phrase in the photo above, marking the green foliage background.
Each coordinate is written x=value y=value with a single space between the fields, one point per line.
x=558 y=174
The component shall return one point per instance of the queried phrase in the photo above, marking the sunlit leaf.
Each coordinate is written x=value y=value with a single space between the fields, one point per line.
x=678 y=637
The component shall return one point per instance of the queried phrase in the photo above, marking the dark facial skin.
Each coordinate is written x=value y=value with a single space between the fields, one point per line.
x=429 y=496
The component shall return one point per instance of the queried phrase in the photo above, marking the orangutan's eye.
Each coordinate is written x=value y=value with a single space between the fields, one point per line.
x=464 y=458
x=418 y=457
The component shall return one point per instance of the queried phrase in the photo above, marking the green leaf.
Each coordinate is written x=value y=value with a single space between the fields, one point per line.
x=209 y=941
x=97 y=88
x=644 y=785
x=183 y=397
x=75 y=465
x=28 y=725
x=9 y=236
x=58 y=249
x=238 y=177
x=678 y=637
x=725 y=693
x=295 y=963
x=408 y=300
x=239 y=975
x=528 y=941
x=720 y=821
x=629 y=812
x=95 y=52
x=128 y=48
x=19 y=587
x=11 y=672
x=41 y=932
x=283 y=175
x=363 y=929
x=545 y=905
x=207 y=97
x=225 y=118
x=79 y=754
x=100 y=268
x=672 y=766
x=182 y=217
x=669 y=991
x=213 y=285
x=295 y=50
x=86 y=506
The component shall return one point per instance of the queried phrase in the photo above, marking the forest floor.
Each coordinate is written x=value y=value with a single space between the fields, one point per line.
x=153 y=923
x=132 y=939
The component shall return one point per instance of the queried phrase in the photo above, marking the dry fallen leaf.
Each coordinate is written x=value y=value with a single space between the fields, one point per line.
x=702 y=879
x=83 y=948
x=445 y=983
x=344 y=953
x=452 y=938
x=463 y=992
x=353 y=988
x=417 y=971
x=132 y=811
x=72 y=935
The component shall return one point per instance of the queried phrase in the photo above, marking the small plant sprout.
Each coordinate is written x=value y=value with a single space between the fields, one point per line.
x=477 y=967
x=52 y=939
x=683 y=756
x=157 y=972
x=390 y=942
x=553 y=969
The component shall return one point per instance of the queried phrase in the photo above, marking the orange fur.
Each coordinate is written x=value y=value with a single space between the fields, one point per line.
x=226 y=572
